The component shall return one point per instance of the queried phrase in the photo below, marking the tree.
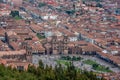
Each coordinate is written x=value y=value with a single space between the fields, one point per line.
x=14 y=13
x=95 y=65
x=107 y=68
x=74 y=58
x=42 y=4
x=70 y=12
x=41 y=65
x=32 y=69
x=99 y=5
x=47 y=73
x=78 y=58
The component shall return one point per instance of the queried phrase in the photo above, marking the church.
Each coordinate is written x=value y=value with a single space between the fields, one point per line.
x=56 y=45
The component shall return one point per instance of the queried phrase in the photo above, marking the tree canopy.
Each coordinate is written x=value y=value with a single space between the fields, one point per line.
x=45 y=72
x=14 y=13
x=42 y=4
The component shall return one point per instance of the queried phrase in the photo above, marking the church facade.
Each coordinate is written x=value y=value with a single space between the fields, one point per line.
x=57 y=45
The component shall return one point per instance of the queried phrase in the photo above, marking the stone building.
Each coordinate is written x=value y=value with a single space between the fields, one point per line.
x=75 y=50
x=57 y=45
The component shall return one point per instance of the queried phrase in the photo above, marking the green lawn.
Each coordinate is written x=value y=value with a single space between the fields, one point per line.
x=97 y=66
x=64 y=62
x=89 y=62
x=17 y=18
x=102 y=68
x=94 y=65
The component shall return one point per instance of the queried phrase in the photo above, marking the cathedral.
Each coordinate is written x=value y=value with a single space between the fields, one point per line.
x=57 y=45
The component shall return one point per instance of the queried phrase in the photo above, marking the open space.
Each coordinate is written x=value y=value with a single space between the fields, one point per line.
x=87 y=62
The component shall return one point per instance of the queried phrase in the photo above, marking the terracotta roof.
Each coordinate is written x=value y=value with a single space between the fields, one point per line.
x=115 y=59
x=20 y=52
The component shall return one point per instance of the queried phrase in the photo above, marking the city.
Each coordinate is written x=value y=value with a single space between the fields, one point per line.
x=83 y=32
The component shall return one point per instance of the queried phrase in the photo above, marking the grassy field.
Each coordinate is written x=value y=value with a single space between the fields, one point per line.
x=64 y=62
x=89 y=62
x=97 y=66
x=102 y=68
x=17 y=18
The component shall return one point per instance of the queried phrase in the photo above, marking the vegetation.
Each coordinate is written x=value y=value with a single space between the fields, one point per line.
x=117 y=11
x=40 y=36
x=64 y=62
x=15 y=15
x=90 y=62
x=99 y=5
x=97 y=66
x=17 y=18
x=42 y=4
x=46 y=73
x=101 y=68
x=74 y=58
x=70 y=12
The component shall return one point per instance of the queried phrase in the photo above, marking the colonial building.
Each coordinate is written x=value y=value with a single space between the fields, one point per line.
x=75 y=50
x=57 y=45
x=62 y=45
x=19 y=65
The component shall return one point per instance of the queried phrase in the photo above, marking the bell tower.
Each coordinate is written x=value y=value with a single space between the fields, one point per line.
x=65 y=43
x=54 y=44
x=29 y=54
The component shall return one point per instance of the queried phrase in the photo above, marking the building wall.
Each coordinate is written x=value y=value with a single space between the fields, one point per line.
x=59 y=47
